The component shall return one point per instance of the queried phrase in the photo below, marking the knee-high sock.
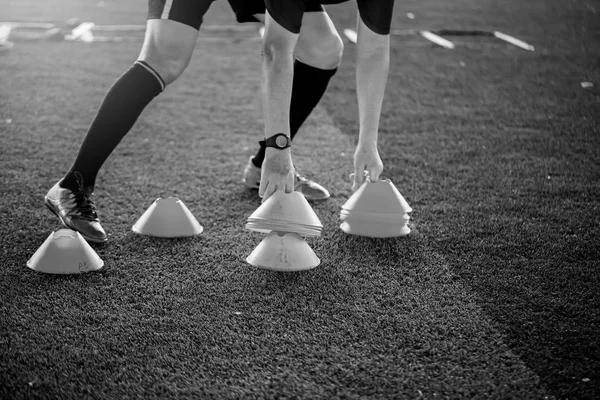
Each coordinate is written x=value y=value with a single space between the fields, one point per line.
x=308 y=87
x=122 y=106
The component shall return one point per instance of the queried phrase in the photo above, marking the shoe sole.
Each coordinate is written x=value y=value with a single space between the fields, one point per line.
x=317 y=198
x=307 y=198
x=250 y=186
x=88 y=238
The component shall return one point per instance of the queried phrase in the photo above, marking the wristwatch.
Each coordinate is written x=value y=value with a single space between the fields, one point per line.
x=279 y=141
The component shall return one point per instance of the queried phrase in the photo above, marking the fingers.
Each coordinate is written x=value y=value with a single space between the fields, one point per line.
x=359 y=177
x=269 y=190
x=271 y=185
x=289 y=183
x=263 y=184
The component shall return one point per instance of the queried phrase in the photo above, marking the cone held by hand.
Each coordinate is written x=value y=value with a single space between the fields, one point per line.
x=376 y=209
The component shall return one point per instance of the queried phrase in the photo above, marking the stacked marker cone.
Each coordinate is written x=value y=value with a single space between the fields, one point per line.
x=287 y=218
x=376 y=209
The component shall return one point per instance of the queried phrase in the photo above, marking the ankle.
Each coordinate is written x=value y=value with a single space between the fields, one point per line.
x=73 y=180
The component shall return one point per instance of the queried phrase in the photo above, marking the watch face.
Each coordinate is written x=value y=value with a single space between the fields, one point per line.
x=281 y=140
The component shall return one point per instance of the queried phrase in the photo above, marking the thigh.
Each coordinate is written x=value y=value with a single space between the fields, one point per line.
x=316 y=25
x=318 y=35
x=187 y=12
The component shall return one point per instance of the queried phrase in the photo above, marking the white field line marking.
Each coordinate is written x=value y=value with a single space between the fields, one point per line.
x=31 y=25
x=138 y=28
x=121 y=39
x=437 y=39
x=4 y=32
x=514 y=41
x=351 y=35
x=82 y=32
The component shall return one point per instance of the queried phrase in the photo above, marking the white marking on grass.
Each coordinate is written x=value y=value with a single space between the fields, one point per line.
x=440 y=41
x=138 y=28
x=82 y=32
x=4 y=32
x=514 y=41
x=30 y=25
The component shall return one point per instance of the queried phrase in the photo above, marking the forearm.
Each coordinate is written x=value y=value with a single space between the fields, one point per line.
x=372 y=66
x=278 y=72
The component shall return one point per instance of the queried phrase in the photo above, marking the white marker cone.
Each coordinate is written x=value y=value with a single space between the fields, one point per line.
x=281 y=251
x=291 y=209
x=374 y=229
x=377 y=197
x=167 y=218
x=65 y=252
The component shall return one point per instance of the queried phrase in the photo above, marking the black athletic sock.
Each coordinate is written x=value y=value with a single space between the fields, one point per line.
x=121 y=108
x=308 y=87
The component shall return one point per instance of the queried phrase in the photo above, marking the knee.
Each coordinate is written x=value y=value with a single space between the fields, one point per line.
x=325 y=53
x=168 y=58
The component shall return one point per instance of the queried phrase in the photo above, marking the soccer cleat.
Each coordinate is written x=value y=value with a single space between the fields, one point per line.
x=76 y=210
x=251 y=175
x=309 y=188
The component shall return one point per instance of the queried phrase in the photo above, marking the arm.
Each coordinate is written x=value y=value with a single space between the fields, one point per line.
x=372 y=65
x=277 y=75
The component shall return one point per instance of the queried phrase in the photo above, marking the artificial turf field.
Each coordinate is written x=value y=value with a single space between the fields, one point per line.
x=494 y=294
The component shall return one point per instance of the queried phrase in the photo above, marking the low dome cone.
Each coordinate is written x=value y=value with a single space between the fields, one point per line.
x=380 y=197
x=167 y=218
x=283 y=252
x=374 y=229
x=287 y=209
x=65 y=252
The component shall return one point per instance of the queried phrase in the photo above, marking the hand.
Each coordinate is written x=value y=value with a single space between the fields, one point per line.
x=366 y=157
x=277 y=173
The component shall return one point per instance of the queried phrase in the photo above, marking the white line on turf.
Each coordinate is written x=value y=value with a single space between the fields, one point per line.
x=82 y=32
x=4 y=32
x=440 y=41
x=513 y=41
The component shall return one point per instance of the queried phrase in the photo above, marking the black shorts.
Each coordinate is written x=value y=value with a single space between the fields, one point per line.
x=188 y=12
x=376 y=14
x=245 y=9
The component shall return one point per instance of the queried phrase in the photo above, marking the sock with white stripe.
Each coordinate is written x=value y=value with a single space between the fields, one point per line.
x=121 y=108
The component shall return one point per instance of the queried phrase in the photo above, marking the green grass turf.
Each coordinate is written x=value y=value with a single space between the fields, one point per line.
x=492 y=295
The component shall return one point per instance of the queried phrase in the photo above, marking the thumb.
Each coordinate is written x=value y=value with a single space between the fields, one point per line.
x=374 y=173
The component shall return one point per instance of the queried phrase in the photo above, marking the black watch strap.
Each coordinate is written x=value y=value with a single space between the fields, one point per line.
x=279 y=141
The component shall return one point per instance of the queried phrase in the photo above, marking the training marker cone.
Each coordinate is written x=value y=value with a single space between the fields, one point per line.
x=287 y=217
x=167 y=218
x=376 y=209
x=282 y=251
x=65 y=252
